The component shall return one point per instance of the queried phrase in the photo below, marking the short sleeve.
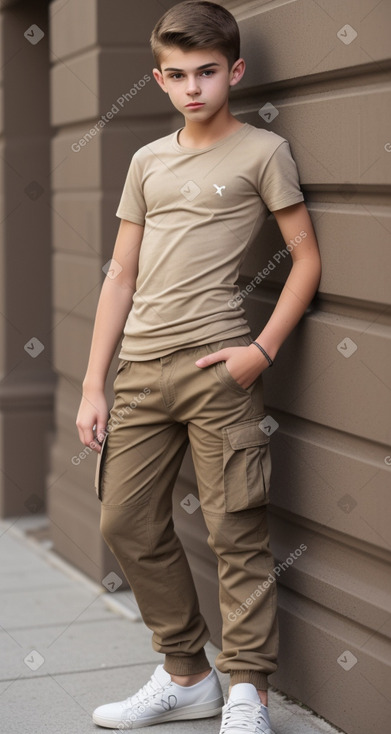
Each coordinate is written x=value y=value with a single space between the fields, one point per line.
x=132 y=203
x=279 y=185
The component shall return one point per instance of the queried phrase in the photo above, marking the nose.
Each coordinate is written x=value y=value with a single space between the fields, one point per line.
x=192 y=85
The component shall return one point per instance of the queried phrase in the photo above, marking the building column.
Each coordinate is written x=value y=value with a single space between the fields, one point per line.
x=26 y=376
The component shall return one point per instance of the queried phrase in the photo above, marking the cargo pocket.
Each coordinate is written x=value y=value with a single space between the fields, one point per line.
x=99 y=467
x=247 y=465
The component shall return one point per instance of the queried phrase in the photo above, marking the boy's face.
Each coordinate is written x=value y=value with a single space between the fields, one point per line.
x=197 y=81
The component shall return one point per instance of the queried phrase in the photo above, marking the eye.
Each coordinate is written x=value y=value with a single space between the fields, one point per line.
x=177 y=75
x=208 y=72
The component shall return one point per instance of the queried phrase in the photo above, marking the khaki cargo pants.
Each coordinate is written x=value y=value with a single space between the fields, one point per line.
x=160 y=406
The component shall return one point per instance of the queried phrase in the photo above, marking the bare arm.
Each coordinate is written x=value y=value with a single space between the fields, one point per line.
x=301 y=283
x=114 y=304
x=246 y=363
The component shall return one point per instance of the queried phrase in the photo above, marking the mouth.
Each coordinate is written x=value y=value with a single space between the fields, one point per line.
x=194 y=105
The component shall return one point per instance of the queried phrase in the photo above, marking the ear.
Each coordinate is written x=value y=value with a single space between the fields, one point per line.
x=237 y=71
x=157 y=74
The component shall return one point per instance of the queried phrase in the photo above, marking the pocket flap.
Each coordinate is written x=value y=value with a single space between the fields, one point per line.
x=246 y=434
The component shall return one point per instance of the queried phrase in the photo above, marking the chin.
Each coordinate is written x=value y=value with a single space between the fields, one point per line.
x=197 y=114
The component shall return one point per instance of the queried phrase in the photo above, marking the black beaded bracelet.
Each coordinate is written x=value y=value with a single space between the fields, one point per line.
x=265 y=354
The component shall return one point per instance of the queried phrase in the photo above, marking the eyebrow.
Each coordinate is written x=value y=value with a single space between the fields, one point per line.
x=199 y=68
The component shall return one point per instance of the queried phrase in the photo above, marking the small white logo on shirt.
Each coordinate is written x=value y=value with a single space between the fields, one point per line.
x=218 y=189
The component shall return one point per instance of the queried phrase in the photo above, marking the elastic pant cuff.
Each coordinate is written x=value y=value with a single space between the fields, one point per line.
x=186 y=664
x=258 y=679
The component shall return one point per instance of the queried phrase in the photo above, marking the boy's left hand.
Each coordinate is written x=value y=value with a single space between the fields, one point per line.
x=244 y=364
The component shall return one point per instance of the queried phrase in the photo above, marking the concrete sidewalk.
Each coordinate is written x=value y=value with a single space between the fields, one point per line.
x=67 y=645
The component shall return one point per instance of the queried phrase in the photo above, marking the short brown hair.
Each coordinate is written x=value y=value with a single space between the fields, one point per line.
x=196 y=24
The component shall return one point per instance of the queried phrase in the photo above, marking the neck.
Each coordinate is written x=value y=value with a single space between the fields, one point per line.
x=201 y=134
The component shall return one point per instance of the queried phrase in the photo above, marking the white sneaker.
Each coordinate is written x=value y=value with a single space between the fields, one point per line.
x=163 y=700
x=244 y=712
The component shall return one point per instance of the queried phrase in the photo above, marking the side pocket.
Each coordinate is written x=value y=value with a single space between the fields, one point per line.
x=122 y=364
x=247 y=465
x=99 y=467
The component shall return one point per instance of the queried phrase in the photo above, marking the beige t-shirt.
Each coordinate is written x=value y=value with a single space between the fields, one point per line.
x=201 y=210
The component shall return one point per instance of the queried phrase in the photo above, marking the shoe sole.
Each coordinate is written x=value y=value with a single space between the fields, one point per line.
x=200 y=711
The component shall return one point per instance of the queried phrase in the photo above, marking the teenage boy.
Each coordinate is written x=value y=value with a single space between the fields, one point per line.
x=192 y=204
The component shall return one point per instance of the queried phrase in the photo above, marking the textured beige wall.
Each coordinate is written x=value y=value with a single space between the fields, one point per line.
x=331 y=466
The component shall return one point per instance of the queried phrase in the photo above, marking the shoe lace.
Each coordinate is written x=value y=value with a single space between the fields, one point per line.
x=246 y=717
x=148 y=691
